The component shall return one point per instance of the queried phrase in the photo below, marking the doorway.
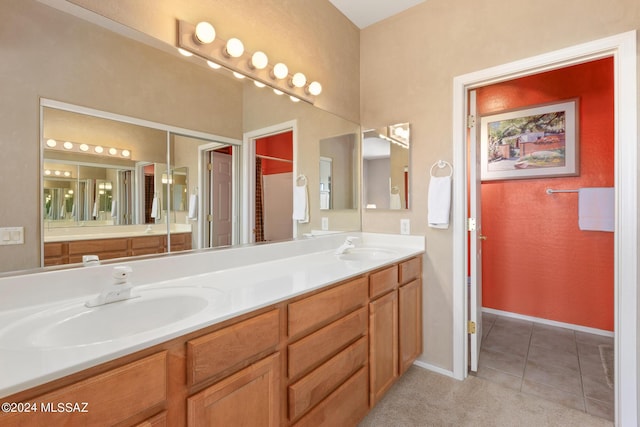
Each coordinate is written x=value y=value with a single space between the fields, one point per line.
x=623 y=51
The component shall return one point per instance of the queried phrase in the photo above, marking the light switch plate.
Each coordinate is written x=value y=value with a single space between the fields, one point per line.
x=325 y=223
x=11 y=235
x=405 y=226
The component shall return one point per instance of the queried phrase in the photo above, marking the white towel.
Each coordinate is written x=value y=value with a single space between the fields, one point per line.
x=193 y=207
x=324 y=200
x=439 y=200
x=300 y=204
x=73 y=210
x=155 y=208
x=394 y=201
x=95 y=209
x=63 y=211
x=596 y=207
x=114 y=208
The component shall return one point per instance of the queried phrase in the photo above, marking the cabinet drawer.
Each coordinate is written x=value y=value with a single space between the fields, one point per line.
x=218 y=351
x=410 y=270
x=53 y=250
x=147 y=242
x=314 y=387
x=310 y=313
x=383 y=281
x=344 y=407
x=114 y=395
x=84 y=247
x=324 y=343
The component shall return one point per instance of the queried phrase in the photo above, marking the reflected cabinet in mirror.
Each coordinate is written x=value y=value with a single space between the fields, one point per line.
x=385 y=167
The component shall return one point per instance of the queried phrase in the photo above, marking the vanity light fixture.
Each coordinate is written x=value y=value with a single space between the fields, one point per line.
x=234 y=48
x=202 y=41
x=85 y=148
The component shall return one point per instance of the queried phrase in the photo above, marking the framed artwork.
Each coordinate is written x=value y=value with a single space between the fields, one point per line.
x=534 y=142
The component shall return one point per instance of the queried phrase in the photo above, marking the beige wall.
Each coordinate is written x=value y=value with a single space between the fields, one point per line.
x=423 y=49
x=310 y=36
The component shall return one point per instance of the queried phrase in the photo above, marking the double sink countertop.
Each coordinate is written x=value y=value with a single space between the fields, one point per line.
x=48 y=333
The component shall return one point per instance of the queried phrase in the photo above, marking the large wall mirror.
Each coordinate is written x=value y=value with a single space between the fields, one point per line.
x=175 y=121
x=385 y=167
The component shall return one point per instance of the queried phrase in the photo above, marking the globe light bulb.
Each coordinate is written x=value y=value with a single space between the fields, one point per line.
x=205 y=33
x=280 y=71
x=234 y=48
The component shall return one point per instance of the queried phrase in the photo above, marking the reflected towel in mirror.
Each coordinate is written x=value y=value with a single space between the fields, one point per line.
x=324 y=200
x=193 y=207
x=155 y=208
x=300 y=201
x=394 y=201
x=114 y=208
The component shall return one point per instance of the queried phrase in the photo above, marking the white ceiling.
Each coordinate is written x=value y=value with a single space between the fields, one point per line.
x=366 y=12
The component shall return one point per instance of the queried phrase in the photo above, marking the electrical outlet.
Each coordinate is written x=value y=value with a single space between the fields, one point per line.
x=325 y=223
x=405 y=226
x=12 y=236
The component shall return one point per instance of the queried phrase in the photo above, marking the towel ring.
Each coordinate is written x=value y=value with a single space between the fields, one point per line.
x=441 y=165
x=301 y=178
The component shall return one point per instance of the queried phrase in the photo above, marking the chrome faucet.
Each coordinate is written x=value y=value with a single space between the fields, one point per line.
x=348 y=244
x=119 y=290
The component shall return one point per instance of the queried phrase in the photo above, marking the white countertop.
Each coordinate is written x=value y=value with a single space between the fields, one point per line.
x=241 y=280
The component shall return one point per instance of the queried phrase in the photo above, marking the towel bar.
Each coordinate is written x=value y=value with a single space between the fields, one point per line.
x=550 y=191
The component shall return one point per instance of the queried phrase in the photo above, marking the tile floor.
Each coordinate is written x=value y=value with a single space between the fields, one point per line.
x=554 y=363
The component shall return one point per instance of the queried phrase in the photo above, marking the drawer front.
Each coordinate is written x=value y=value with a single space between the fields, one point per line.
x=112 y=397
x=344 y=407
x=218 y=351
x=383 y=281
x=147 y=242
x=315 y=311
x=53 y=249
x=410 y=270
x=84 y=247
x=314 y=387
x=321 y=345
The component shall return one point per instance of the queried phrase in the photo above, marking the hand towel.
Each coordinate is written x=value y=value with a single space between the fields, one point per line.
x=63 y=211
x=193 y=207
x=95 y=209
x=324 y=200
x=114 y=209
x=155 y=208
x=596 y=207
x=439 y=202
x=394 y=201
x=300 y=204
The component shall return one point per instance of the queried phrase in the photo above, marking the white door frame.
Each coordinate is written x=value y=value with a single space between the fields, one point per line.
x=622 y=48
x=249 y=167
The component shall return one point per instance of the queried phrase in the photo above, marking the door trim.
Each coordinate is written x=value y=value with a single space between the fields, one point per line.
x=622 y=48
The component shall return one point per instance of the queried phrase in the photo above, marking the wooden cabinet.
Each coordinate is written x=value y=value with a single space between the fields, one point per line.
x=410 y=312
x=248 y=398
x=116 y=395
x=58 y=253
x=383 y=344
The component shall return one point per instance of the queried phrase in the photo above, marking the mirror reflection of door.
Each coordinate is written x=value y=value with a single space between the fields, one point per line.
x=219 y=203
x=274 y=187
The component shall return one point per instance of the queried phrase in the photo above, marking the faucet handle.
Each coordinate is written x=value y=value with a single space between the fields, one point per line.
x=121 y=274
x=350 y=239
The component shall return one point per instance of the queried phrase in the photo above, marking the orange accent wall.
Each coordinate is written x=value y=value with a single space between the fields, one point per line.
x=279 y=146
x=536 y=261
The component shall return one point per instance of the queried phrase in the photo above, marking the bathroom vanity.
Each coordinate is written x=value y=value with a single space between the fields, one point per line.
x=309 y=339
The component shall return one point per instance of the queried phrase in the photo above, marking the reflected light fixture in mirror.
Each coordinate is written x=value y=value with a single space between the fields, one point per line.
x=200 y=40
x=71 y=147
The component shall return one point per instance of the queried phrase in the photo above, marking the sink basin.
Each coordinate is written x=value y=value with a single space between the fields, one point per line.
x=76 y=325
x=367 y=254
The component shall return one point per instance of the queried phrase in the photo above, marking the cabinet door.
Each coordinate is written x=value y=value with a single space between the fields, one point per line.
x=383 y=345
x=410 y=323
x=248 y=398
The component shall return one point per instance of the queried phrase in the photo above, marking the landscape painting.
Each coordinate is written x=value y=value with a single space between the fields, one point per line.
x=535 y=142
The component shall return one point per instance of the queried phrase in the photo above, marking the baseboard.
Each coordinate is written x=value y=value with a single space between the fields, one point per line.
x=434 y=368
x=549 y=322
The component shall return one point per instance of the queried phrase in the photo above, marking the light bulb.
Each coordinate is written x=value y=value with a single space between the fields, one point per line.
x=259 y=60
x=68 y=145
x=205 y=33
x=234 y=48
x=84 y=147
x=57 y=173
x=314 y=88
x=51 y=143
x=47 y=172
x=184 y=52
x=98 y=149
x=259 y=84
x=113 y=151
x=278 y=92
x=67 y=173
x=294 y=99
x=298 y=80
x=280 y=71
x=238 y=75
x=126 y=153
x=214 y=65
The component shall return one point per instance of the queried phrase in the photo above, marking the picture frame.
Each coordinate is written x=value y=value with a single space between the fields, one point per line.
x=540 y=141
